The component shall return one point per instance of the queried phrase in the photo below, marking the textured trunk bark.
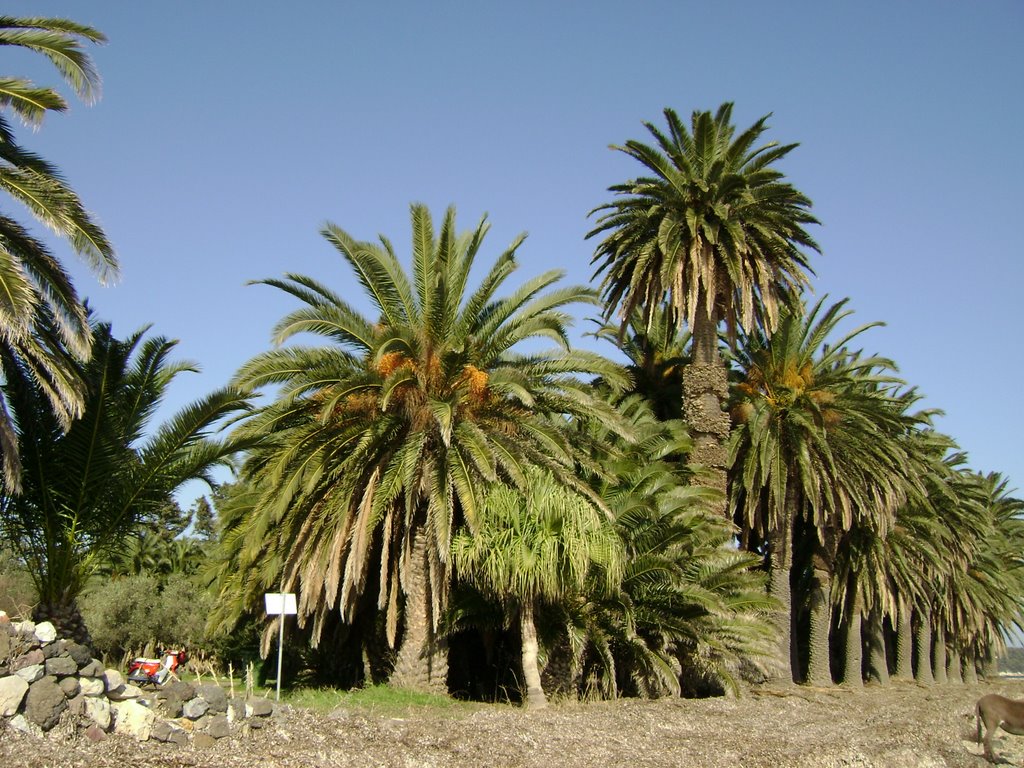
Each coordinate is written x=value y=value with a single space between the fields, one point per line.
x=923 y=641
x=819 y=668
x=953 y=667
x=904 y=645
x=67 y=620
x=970 y=668
x=780 y=561
x=989 y=665
x=422 y=662
x=535 y=698
x=939 y=656
x=854 y=656
x=705 y=389
x=878 y=664
x=558 y=676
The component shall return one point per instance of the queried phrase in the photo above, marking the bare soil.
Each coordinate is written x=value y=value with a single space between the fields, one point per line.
x=899 y=726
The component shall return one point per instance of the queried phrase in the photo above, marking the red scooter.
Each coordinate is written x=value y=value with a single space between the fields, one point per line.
x=156 y=671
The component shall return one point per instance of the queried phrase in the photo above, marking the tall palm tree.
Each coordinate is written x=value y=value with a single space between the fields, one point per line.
x=86 y=490
x=816 y=435
x=537 y=545
x=43 y=324
x=380 y=443
x=714 y=233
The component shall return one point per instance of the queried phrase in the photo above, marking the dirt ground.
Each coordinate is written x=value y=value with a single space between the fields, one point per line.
x=901 y=726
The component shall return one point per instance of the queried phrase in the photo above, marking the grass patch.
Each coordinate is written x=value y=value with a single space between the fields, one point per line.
x=378 y=699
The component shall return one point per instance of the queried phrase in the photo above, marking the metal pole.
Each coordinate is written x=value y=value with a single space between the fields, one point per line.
x=280 y=646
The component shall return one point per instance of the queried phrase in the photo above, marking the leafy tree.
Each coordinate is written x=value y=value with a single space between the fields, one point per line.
x=714 y=234
x=817 y=436
x=539 y=544
x=86 y=490
x=380 y=444
x=44 y=327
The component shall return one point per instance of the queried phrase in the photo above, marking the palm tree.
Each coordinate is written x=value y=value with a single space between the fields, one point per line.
x=380 y=444
x=86 y=490
x=715 y=234
x=537 y=545
x=44 y=326
x=816 y=436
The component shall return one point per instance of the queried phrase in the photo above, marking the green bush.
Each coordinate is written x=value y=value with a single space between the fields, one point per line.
x=127 y=614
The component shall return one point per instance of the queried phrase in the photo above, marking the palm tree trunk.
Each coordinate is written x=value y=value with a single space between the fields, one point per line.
x=852 y=674
x=904 y=644
x=953 y=666
x=819 y=670
x=705 y=389
x=878 y=664
x=923 y=671
x=939 y=655
x=989 y=664
x=780 y=561
x=422 y=662
x=970 y=668
x=67 y=620
x=535 y=698
x=558 y=676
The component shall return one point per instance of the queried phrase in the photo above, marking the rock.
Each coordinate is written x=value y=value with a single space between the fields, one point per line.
x=236 y=710
x=29 y=659
x=93 y=669
x=185 y=724
x=124 y=693
x=52 y=649
x=218 y=727
x=12 y=693
x=21 y=723
x=70 y=686
x=44 y=703
x=258 y=707
x=31 y=674
x=5 y=647
x=80 y=653
x=162 y=731
x=203 y=741
x=95 y=733
x=214 y=696
x=61 y=666
x=98 y=710
x=76 y=704
x=112 y=679
x=133 y=719
x=179 y=688
x=91 y=686
x=195 y=708
x=45 y=632
x=26 y=628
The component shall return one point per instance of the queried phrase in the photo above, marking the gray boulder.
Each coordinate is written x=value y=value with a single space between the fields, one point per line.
x=258 y=707
x=32 y=673
x=44 y=703
x=52 y=649
x=93 y=669
x=80 y=653
x=90 y=686
x=214 y=695
x=98 y=710
x=133 y=719
x=29 y=659
x=61 y=666
x=218 y=727
x=195 y=708
x=12 y=693
x=45 y=632
x=70 y=686
x=5 y=647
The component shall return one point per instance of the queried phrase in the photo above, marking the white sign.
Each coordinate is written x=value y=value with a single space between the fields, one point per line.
x=278 y=603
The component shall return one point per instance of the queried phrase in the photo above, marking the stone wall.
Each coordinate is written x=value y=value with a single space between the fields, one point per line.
x=45 y=680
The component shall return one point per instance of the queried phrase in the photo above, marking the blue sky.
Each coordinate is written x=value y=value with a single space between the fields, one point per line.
x=230 y=131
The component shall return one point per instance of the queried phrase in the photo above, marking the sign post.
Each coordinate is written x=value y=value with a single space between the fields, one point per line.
x=280 y=604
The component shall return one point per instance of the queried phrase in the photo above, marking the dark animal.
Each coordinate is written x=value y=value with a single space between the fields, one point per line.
x=997 y=711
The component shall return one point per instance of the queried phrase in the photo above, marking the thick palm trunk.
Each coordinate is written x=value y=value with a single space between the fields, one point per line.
x=67 y=620
x=878 y=664
x=923 y=641
x=819 y=669
x=558 y=675
x=970 y=668
x=422 y=662
x=989 y=664
x=953 y=667
x=780 y=562
x=705 y=389
x=904 y=645
x=854 y=656
x=939 y=655
x=535 y=698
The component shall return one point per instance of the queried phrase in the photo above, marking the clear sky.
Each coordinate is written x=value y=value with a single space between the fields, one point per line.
x=230 y=131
